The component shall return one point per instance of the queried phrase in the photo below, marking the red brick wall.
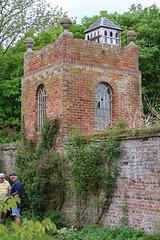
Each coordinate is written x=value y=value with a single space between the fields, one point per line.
x=137 y=187
x=70 y=69
x=138 y=184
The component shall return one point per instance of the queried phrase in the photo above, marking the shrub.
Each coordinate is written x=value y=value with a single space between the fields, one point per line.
x=127 y=233
x=97 y=233
x=40 y=172
x=56 y=217
x=28 y=230
x=155 y=236
x=9 y=135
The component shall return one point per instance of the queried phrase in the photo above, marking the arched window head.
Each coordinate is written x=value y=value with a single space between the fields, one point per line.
x=103 y=98
x=41 y=106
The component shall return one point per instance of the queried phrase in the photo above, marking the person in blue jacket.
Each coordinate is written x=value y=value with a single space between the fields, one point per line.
x=16 y=188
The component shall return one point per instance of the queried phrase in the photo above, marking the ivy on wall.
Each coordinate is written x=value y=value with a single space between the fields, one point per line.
x=90 y=170
x=93 y=172
x=40 y=171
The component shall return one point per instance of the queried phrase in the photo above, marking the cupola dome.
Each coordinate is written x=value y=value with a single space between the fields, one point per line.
x=104 y=31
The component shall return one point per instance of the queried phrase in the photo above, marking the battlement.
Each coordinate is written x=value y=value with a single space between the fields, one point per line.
x=82 y=51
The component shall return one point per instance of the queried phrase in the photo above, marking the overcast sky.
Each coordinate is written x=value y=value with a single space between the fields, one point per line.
x=89 y=8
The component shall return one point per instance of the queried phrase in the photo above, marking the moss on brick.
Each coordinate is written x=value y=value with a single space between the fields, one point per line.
x=126 y=133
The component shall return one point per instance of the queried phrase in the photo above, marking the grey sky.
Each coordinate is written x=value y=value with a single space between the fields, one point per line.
x=81 y=8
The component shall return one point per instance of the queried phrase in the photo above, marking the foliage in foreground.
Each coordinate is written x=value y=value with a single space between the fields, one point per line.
x=28 y=230
x=100 y=233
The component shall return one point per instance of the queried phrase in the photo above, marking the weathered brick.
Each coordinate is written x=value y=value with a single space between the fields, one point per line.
x=70 y=69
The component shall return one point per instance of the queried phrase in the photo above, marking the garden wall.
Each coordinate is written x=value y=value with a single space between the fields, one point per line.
x=138 y=186
x=7 y=152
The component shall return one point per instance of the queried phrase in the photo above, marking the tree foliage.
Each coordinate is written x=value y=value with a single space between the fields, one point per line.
x=43 y=26
x=20 y=19
x=18 y=16
x=146 y=23
x=11 y=70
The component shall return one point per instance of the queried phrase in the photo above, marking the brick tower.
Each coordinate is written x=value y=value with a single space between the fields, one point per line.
x=84 y=83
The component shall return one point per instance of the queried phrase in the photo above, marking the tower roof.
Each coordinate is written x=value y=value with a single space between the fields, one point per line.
x=103 y=22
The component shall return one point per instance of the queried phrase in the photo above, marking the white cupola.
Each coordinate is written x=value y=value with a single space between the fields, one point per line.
x=104 y=31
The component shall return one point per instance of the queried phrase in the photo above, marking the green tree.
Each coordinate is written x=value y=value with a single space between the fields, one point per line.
x=146 y=23
x=11 y=70
x=18 y=16
x=45 y=28
x=12 y=28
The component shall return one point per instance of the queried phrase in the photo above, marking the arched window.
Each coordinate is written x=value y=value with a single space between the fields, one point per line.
x=105 y=33
x=111 y=34
x=116 y=35
x=41 y=106
x=88 y=37
x=103 y=98
x=117 y=41
x=98 y=33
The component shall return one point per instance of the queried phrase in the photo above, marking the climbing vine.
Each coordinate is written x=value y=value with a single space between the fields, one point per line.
x=40 y=171
x=93 y=171
x=91 y=167
x=124 y=219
